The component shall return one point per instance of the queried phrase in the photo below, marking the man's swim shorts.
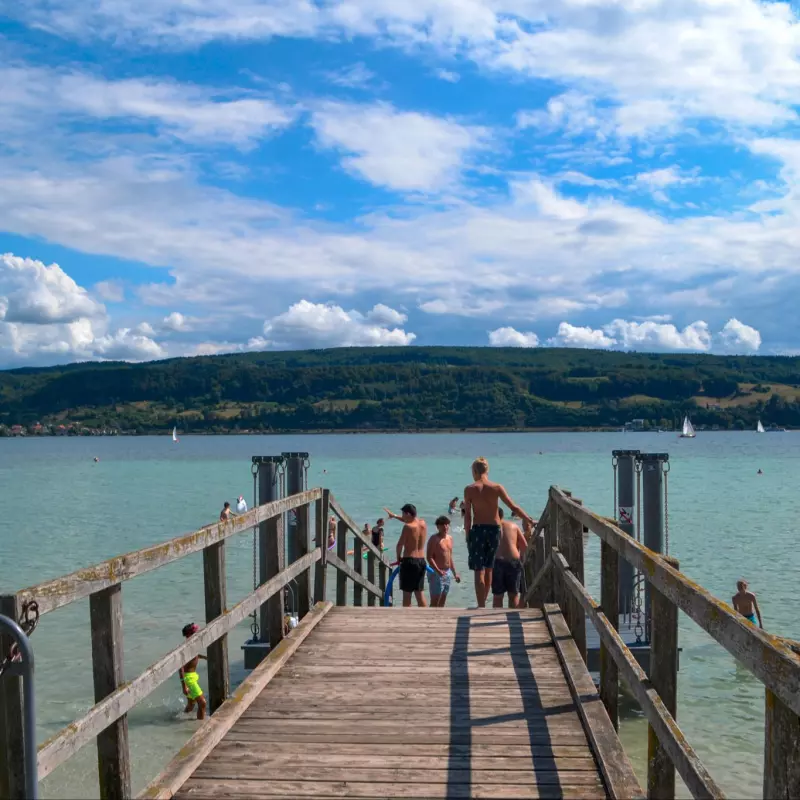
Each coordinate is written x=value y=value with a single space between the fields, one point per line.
x=482 y=545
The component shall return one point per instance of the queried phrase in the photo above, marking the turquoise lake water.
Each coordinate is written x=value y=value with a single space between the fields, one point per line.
x=62 y=511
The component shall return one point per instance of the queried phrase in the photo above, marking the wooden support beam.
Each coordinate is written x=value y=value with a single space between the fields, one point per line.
x=301 y=547
x=366 y=541
x=274 y=556
x=216 y=599
x=541 y=579
x=341 y=554
x=664 y=678
x=346 y=571
x=781 y=749
x=320 y=571
x=609 y=602
x=383 y=578
x=551 y=541
x=576 y=613
x=371 y=577
x=113 y=753
x=358 y=566
x=12 y=741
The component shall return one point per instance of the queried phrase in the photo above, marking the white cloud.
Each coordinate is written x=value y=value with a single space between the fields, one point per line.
x=573 y=113
x=736 y=337
x=577 y=336
x=112 y=291
x=175 y=322
x=510 y=337
x=383 y=315
x=401 y=150
x=356 y=76
x=660 y=336
x=663 y=178
x=447 y=75
x=322 y=325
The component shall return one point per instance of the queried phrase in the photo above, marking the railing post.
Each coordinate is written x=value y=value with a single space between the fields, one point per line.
x=358 y=566
x=274 y=550
x=550 y=582
x=371 y=577
x=216 y=605
x=12 y=736
x=341 y=552
x=303 y=580
x=781 y=749
x=382 y=578
x=609 y=602
x=664 y=678
x=320 y=568
x=577 y=615
x=113 y=754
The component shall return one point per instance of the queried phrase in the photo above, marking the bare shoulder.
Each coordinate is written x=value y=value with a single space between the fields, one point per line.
x=750 y=596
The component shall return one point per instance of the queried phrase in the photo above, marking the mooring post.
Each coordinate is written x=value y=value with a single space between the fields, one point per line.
x=358 y=566
x=113 y=754
x=781 y=749
x=12 y=710
x=216 y=600
x=321 y=512
x=652 y=514
x=609 y=601
x=664 y=678
x=625 y=503
x=341 y=552
x=297 y=544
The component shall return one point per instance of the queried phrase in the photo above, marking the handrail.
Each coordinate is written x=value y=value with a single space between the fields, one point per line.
x=82 y=583
x=356 y=531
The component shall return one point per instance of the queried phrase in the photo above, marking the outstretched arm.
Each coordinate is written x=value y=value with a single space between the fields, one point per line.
x=515 y=509
x=522 y=543
x=758 y=612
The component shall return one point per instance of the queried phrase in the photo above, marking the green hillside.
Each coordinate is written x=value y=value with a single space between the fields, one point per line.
x=407 y=388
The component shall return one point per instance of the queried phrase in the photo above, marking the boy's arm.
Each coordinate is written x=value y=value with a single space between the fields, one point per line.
x=758 y=612
x=401 y=543
x=434 y=566
x=183 y=685
x=522 y=543
x=515 y=509
x=467 y=514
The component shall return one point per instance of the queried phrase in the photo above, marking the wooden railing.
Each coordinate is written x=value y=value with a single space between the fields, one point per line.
x=107 y=720
x=554 y=569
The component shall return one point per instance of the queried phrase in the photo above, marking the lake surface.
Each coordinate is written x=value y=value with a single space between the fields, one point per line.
x=62 y=511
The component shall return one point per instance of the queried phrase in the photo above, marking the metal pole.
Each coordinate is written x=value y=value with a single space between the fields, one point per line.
x=269 y=489
x=24 y=668
x=296 y=470
x=626 y=515
x=652 y=515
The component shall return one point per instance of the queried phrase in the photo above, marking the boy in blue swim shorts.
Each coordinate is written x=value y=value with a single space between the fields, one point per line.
x=190 y=680
x=746 y=604
x=439 y=555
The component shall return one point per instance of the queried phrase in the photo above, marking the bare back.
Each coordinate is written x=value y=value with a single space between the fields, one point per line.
x=413 y=539
x=483 y=497
x=509 y=545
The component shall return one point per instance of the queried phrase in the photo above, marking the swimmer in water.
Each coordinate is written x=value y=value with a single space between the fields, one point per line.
x=746 y=604
x=190 y=680
x=759 y=472
x=225 y=514
x=96 y=459
x=451 y=509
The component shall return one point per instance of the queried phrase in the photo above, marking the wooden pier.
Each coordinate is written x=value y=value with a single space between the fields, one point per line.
x=365 y=701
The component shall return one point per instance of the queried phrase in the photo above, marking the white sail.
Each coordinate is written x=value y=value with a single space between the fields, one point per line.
x=175 y=434
x=688 y=429
x=759 y=427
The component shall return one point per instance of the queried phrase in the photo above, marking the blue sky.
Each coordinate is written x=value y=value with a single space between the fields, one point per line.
x=180 y=178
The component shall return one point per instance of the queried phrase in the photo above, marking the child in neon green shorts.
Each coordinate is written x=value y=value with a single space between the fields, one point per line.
x=190 y=680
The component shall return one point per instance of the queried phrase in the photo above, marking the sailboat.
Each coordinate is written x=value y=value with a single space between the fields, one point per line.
x=175 y=434
x=688 y=430
x=759 y=427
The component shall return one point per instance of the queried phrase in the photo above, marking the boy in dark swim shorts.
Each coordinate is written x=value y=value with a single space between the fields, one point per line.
x=507 y=574
x=411 y=554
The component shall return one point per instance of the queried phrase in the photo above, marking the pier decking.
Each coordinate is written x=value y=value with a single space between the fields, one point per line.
x=413 y=703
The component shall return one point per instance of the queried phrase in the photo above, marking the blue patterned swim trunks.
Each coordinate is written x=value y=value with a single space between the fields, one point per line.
x=482 y=545
x=440 y=584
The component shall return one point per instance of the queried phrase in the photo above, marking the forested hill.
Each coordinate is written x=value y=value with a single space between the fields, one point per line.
x=407 y=388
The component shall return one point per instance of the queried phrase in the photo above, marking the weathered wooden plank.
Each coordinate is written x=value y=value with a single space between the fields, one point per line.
x=113 y=754
x=781 y=750
x=221 y=790
x=371 y=598
x=664 y=678
x=301 y=547
x=609 y=602
x=479 y=735
x=346 y=571
x=358 y=566
x=216 y=601
x=12 y=739
x=366 y=541
x=686 y=761
x=69 y=740
x=535 y=589
x=78 y=585
x=616 y=768
x=320 y=571
x=175 y=774
x=577 y=616
x=341 y=557
x=768 y=657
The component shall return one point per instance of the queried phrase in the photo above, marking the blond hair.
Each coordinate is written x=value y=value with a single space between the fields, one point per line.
x=480 y=466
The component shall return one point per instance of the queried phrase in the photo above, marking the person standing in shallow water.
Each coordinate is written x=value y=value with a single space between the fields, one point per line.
x=440 y=558
x=411 y=555
x=482 y=523
x=746 y=604
x=507 y=573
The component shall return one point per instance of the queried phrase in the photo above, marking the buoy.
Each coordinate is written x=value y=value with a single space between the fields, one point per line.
x=241 y=505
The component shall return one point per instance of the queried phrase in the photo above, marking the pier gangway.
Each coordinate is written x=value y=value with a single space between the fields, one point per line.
x=362 y=700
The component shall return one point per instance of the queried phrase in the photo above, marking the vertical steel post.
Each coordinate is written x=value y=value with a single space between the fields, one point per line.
x=269 y=490
x=298 y=529
x=626 y=500
x=652 y=515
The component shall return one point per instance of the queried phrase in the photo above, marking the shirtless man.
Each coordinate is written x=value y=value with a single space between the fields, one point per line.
x=225 y=514
x=440 y=557
x=190 y=681
x=411 y=554
x=482 y=522
x=507 y=574
x=746 y=604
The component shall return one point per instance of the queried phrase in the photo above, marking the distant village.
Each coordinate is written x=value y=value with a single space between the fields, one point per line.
x=37 y=429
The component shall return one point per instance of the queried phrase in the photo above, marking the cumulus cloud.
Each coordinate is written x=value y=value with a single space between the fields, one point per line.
x=322 y=325
x=110 y=291
x=736 y=337
x=510 y=337
x=383 y=315
x=175 y=322
x=401 y=150
x=447 y=75
x=577 y=336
